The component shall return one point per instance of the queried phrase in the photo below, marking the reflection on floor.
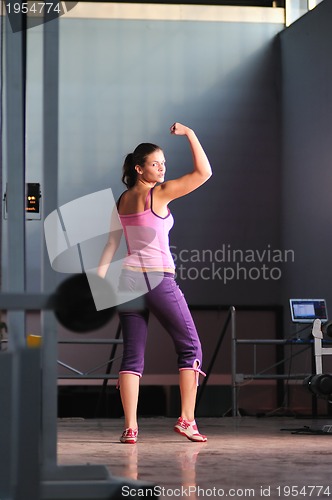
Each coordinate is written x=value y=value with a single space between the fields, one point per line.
x=244 y=456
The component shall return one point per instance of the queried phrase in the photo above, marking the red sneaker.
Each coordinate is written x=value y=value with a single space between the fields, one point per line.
x=189 y=429
x=129 y=436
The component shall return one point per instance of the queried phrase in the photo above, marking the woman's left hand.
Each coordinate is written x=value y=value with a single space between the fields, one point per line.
x=179 y=129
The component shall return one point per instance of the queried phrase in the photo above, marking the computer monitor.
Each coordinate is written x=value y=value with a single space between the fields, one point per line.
x=307 y=310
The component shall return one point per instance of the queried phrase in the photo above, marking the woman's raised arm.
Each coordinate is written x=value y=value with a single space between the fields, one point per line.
x=201 y=172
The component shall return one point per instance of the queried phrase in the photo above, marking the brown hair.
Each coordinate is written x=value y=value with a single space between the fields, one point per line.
x=138 y=157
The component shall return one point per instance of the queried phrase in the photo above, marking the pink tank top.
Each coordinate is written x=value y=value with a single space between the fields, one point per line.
x=147 y=238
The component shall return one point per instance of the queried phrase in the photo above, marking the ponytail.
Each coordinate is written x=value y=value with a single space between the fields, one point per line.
x=129 y=175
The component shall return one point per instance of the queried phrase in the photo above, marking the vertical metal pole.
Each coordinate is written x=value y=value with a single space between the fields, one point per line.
x=50 y=201
x=27 y=364
x=15 y=133
x=15 y=47
x=234 y=354
x=6 y=391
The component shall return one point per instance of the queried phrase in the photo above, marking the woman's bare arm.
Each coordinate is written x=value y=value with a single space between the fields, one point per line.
x=201 y=172
x=111 y=246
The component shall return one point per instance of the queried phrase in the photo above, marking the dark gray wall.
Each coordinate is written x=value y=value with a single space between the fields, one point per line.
x=126 y=81
x=306 y=51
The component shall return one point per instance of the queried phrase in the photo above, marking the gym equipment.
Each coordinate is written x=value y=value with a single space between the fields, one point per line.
x=74 y=305
x=327 y=329
x=320 y=385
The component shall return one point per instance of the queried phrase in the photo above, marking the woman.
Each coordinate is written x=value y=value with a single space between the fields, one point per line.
x=149 y=266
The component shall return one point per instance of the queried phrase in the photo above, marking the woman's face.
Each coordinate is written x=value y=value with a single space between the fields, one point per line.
x=154 y=167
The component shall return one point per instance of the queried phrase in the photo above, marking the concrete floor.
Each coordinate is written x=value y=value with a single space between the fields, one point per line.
x=243 y=457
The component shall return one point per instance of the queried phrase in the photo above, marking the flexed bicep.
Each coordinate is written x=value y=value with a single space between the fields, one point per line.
x=201 y=172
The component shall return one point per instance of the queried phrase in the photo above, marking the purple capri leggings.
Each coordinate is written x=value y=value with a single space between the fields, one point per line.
x=166 y=301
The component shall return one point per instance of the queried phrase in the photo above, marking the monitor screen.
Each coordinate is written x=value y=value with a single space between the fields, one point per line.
x=307 y=310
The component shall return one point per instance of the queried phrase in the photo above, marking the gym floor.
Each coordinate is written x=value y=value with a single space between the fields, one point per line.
x=275 y=457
